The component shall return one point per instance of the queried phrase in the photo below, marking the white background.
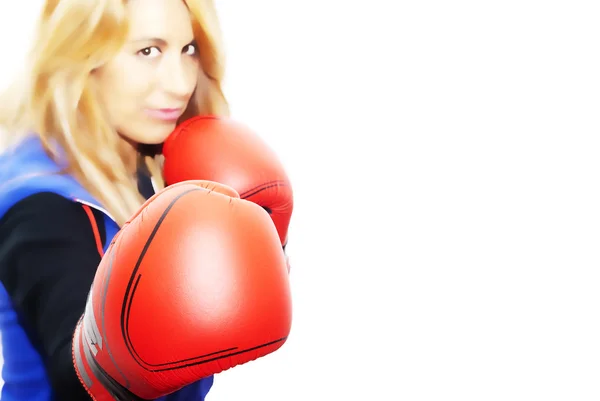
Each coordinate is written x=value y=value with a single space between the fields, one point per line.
x=445 y=161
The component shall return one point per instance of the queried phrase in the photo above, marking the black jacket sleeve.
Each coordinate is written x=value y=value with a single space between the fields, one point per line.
x=48 y=259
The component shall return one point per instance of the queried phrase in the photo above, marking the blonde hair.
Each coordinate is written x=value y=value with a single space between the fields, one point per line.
x=54 y=97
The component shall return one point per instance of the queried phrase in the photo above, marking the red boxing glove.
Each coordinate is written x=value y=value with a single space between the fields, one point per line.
x=222 y=150
x=194 y=284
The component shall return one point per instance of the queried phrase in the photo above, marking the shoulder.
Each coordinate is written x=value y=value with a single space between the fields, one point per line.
x=27 y=169
x=44 y=205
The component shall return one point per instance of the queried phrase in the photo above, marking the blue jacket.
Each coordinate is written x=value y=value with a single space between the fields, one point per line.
x=24 y=171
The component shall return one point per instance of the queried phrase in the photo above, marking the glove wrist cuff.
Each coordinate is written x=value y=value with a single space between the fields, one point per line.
x=99 y=385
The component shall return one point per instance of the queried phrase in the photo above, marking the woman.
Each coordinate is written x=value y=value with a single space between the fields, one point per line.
x=106 y=82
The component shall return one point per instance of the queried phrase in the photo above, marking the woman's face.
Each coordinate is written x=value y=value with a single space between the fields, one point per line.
x=148 y=85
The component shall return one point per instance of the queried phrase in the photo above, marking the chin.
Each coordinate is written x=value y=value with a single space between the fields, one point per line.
x=156 y=135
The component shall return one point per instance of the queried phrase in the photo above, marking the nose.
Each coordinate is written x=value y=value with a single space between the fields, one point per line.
x=177 y=77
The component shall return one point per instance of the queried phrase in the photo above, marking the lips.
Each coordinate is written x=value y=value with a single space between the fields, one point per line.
x=169 y=115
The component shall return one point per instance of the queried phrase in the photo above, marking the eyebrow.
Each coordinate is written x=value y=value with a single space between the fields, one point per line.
x=161 y=41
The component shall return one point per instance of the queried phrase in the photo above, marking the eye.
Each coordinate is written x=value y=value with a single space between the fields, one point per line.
x=150 y=51
x=190 y=49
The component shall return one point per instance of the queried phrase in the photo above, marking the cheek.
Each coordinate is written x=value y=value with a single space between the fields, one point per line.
x=123 y=90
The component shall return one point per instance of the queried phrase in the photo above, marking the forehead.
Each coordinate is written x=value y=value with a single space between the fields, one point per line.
x=167 y=19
